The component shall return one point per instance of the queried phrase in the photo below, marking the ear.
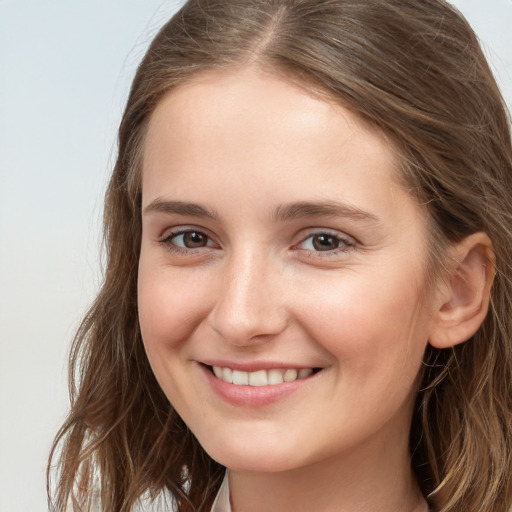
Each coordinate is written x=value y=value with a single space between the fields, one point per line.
x=462 y=300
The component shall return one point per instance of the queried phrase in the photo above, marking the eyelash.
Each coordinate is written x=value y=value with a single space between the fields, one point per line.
x=167 y=241
x=345 y=243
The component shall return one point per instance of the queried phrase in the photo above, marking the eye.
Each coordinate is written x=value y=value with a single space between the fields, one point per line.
x=190 y=239
x=187 y=239
x=326 y=242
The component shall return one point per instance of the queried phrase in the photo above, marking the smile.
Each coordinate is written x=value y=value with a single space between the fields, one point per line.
x=261 y=377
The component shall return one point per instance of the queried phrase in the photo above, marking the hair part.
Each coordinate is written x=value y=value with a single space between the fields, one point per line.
x=415 y=71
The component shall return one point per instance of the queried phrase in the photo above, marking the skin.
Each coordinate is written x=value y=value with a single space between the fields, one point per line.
x=244 y=145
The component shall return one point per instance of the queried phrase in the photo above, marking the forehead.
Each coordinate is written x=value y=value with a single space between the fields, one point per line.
x=253 y=130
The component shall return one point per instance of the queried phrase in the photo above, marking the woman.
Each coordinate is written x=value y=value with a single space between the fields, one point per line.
x=308 y=270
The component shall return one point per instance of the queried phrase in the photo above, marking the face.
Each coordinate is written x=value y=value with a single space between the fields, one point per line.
x=282 y=273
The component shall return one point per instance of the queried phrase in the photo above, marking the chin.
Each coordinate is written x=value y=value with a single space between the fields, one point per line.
x=252 y=457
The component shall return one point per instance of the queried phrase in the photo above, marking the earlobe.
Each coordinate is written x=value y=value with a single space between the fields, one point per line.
x=463 y=303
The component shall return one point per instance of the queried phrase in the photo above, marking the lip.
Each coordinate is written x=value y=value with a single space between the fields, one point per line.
x=254 y=396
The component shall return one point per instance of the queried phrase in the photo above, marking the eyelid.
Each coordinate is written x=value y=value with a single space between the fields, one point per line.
x=172 y=233
x=329 y=231
x=347 y=242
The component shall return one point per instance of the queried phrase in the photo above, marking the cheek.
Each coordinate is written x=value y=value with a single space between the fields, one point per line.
x=377 y=341
x=171 y=305
x=374 y=323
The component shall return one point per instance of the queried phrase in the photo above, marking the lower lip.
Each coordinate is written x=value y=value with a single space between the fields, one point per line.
x=253 y=396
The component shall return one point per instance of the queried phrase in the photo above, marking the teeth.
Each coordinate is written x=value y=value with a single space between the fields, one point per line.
x=290 y=375
x=305 y=372
x=260 y=377
x=275 y=377
x=240 y=378
x=227 y=374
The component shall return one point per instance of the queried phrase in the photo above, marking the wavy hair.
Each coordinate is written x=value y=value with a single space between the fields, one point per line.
x=415 y=70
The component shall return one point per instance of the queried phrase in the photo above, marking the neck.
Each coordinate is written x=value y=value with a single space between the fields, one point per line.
x=373 y=478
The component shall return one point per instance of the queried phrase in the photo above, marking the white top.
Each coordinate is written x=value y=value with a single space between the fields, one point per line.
x=222 y=504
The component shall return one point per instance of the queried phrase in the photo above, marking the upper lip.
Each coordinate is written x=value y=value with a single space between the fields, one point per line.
x=254 y=366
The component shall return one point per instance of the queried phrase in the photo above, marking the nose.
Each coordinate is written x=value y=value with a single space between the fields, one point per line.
x=249 y=306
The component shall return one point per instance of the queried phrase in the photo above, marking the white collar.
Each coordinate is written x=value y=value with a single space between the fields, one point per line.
x=221 y=503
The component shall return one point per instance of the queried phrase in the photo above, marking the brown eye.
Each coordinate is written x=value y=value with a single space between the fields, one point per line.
x=325 y=242
x=189 y=239
x=192 y=239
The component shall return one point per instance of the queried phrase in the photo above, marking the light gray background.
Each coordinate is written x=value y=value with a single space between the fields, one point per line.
x=65 y=70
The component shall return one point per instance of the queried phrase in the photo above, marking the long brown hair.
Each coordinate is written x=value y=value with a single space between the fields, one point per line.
x=415 y=70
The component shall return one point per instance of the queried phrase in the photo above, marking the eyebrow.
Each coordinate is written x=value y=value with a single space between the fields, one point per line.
x=180 y=208
x=326 y=208
x=297 y=210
